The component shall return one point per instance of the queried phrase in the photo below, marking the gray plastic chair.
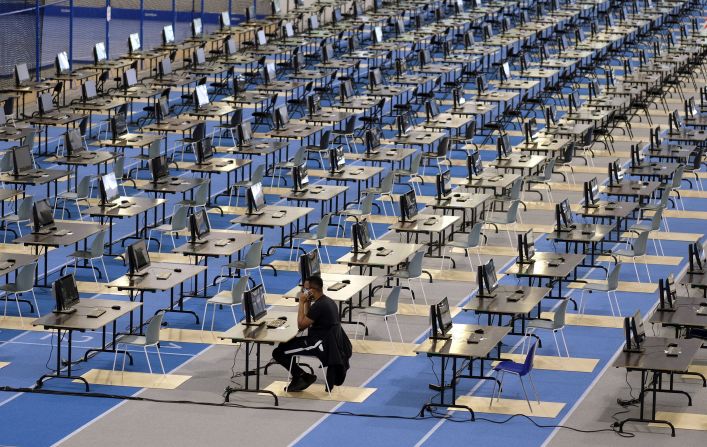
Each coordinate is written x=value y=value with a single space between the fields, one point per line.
x=231 y=298
x=389 y=310
x=320 y=234
x=363 y=212
x=297 y=160
x=556 y=325
x=676 y=183
x=610 y=287
x=95 y=252
x=83 y=193
x=177 y=223
x=412 y=270
x=544 y=179
x=440 y=156
x=412 y=172
x=639 y=249
x=151 y=338
x=508 y=218
x=384 y=189
x=201 y=198
x=472 y=240
x=347 y=133
x=24 y=283
x=256 y=177
x=24 y=214
x=652 y=225
x=251 y=261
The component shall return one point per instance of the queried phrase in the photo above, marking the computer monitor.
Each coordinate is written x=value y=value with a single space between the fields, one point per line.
x=281 y=117
x=199 y=226
x=62 y=63
x=696 y=253
x=564 y=215
x=487 y=280
x=249 y=14
x=424 y=57
x=634 y=332
x=21 y=159
x=667 y=294
x=66 y=294
x=261 y=38
x=275 y=7
x=458 y=99
x=526 y=247
x=42 y=215
x=224 y=19
x=346 y=90
x=399 y=26
x=269 y=73
x=159 y=168
x=505 y=71
x=134 y=42
x=21 y=73
x=336 y=15
x=204 y=151
x=591 y=193
x=161 y=109
x=199 y=56
x=616 y=174
x=201 y=96
x=73 y=142
x=230 y=47
x=255 y=198
x=474 y=166
x=245 y=133
x=313 y=22
x=503 y=147
x=327 y=53
x=314 y=104
x=432 y=109
x=138 y=258
x=46 y=105
x=373 y=140
x=408 y=206
x=167 y=35
x=129 y=78
x=300 y=177
x=375 y=78
x=441 y=320
x=361 y=237
x=196 y=27
x=637 y=155
x=405 y=125
x=377 y=34
x=99 y=52
x=88 y=90
x=108 y=188
x=254 y=305
x=118 y=125
x=310 y=265
x=337 y=160
x=444 y=185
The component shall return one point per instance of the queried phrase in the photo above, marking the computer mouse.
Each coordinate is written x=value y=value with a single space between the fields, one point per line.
x=283 y=318
x=348 y=281
x=380 y=248
x=519 y=291
x=702 y=304
x=116 y=307
x=177 y=270
x=125 y=201
x=479 y=331
x=457 y=195
x=11 y=260
x=232 y=239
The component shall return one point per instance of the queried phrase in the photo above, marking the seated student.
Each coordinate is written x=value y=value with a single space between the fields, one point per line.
x=325 y=338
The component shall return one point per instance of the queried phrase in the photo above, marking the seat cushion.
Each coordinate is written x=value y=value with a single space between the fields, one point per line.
x=509 y=366
x=81 y=254
x=138 y=340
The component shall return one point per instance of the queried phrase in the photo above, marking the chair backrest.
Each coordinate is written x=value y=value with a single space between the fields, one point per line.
x=179 y=218
x=391 y=301
x=549 y=168
x=254 y=255
x=152 y=334
x=6 y=162
x=443 y=148
x=516 y=189
x=83 y=190
x=415 y=265
x=199 y=132
x=367 y=204
x=299 y=156
x=201 y=196
x=83 y=126
x=696 y=159
x=25 y=277
x=154 y=150
x=512 y=213
x=415 y=162
x=529 y=359
x=24 y=211
x=558 y=320
x=474 y=238
x=640 y=244
x=323 y=226
x=387 y=183
x=119 y=167
x=238 y=289
x=97 y=246
x=258 y=174
x=612 y=279
x=325 y=139
x=677 y=175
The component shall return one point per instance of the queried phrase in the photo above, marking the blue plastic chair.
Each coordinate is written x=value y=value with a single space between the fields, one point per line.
x=519 y=369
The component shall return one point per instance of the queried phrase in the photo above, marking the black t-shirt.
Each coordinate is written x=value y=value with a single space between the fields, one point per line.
x=325 y=314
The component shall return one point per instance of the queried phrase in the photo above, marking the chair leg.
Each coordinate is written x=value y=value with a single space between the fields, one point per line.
x=535 y=391
x=149 y=366
x=387 y=327
x=564 y=341
x=399 y=331
x=159 y=357
x=105 y=270
x=616 y=301
x=203 y=319
x=525 y=393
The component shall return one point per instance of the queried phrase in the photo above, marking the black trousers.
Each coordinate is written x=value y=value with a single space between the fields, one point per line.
x=297 y=346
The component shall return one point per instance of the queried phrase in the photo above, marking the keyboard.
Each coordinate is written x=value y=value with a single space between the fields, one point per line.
x=164 y=275
x=61 y=233
x=95 y=313
x=125 y=205
x=5 y=265
x=221 y=242
x=274 y=324
x=384 y=252
x=336 y=286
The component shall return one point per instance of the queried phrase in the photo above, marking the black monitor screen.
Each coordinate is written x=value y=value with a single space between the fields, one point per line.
x=336 y=15
x=73 y=142
x=134 y=42
x=593 y=191
x=22 y=159
x=162 y=108
x=275 y=7
x=474 y=164
x=346 y=89
x=314 y=104
x=230 y=46
x=281 y=117
x=444 y=184
x=65 y=292
x=199 y=56
x=490 y=278
x=159 y=167
x=504 y=146
x=310 y=265
x=138 y=257
x=528 y=245
x=425 y=57
x=444 y=317
x=254 y=303
x=301 y=177
x=376 y=77
x=43 y=215
x=408 y=205
x=432 y=109
x=119 y=125
x=640 y=329
x=362 y=235
x=404 y=124
x=327 y=53
x=337 y=161
x=256 y=197
x=313 y=22
x=377 y=34
x=245 y=133
x=108 y=188
x=200 y=223
x=566 y=213
x=204 y=151
x=373 y=139
x=21 y=73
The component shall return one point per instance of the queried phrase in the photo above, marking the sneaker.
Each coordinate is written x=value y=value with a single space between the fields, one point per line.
x=301 y=383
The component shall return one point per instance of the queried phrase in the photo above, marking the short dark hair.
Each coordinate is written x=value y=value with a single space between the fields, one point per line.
x=316 y=281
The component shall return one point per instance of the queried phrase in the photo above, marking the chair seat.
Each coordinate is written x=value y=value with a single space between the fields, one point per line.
x=381 y=311
x=137 y=340
x=458 y=244
x=236 y=265
x=638 y=227
x=12 y=218
x=81 y=254
x=624 y=252
x=163 y=228
x=223 y=297
x=402 y=274
x=372 y=191
x=12 y=287
x=303 y=235
x=353 y=212
x=69 y=196
x=509 y=366
x=541 y=324
x=191 y=203
x=598 y=287
x=284 y=165
x=499 y=219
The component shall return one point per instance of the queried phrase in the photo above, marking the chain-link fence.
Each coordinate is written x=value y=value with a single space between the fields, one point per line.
x=35 y=31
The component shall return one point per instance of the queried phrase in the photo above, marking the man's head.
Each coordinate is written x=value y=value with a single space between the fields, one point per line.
x=315 y=285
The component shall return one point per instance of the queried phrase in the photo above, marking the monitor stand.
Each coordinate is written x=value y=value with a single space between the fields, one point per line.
x=254 y=213
x=198 y=241
x=64 y=311
x=137 y=274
